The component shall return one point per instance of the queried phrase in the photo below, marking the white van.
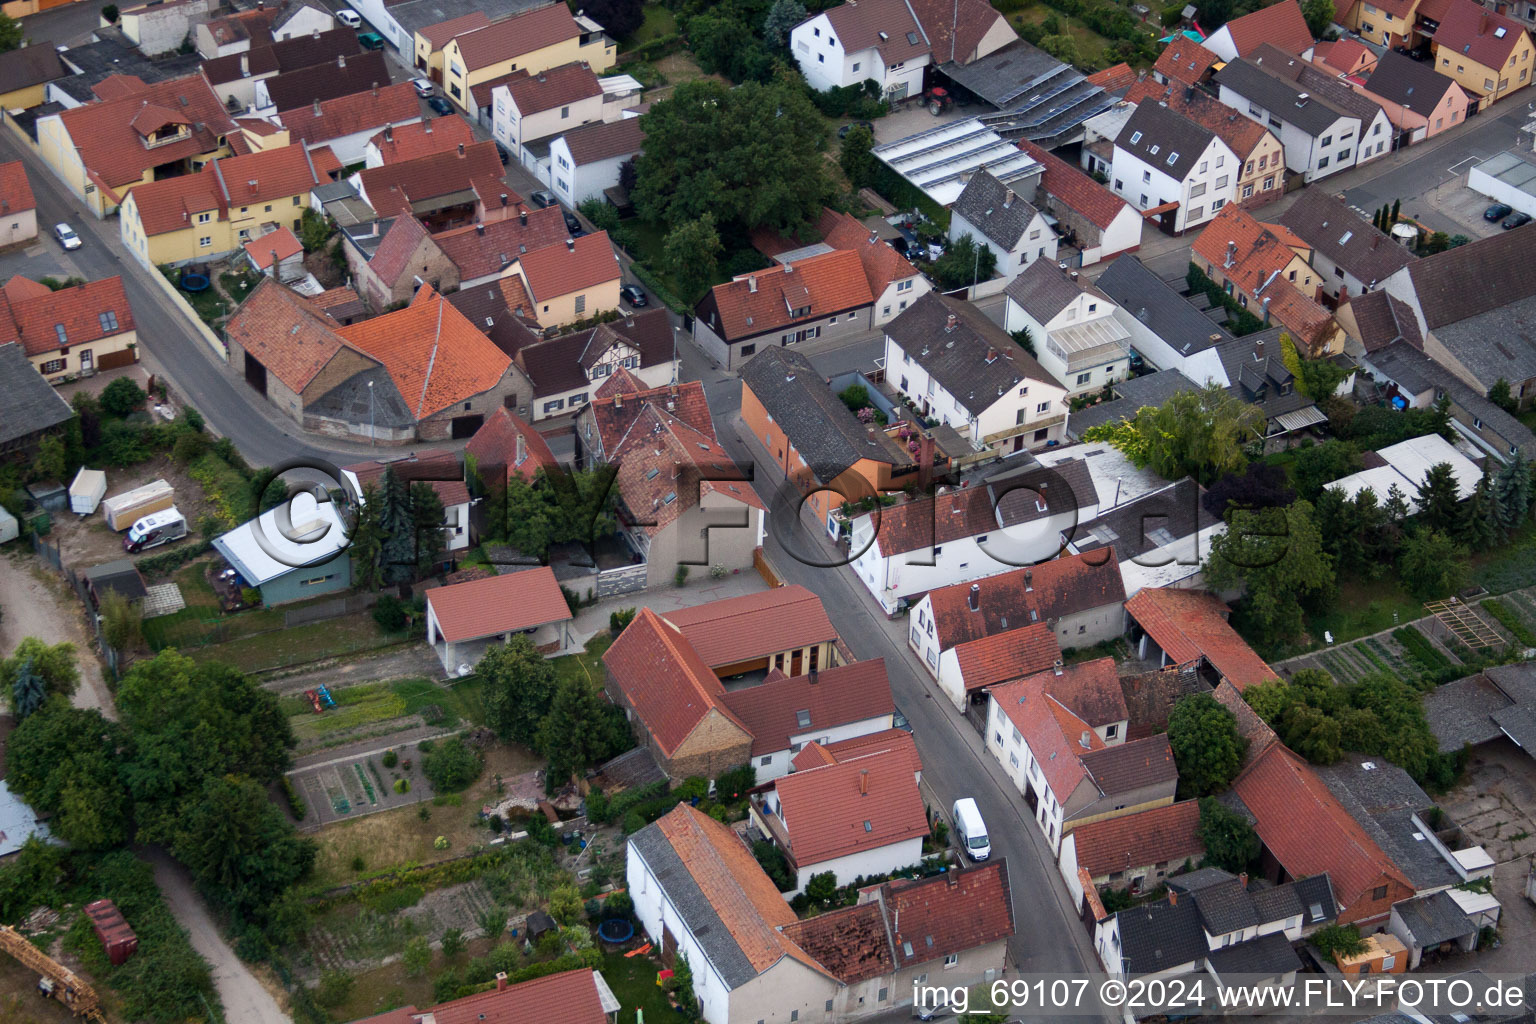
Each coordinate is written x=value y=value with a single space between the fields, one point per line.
x=155 y=529
x=970 y=830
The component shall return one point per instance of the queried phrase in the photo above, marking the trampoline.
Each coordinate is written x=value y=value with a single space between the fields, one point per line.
x=616 y=929
x=194 y=282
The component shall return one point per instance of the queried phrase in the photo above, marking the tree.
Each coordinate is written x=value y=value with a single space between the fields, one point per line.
x=51 y=461
x=121 y=397
x=1194 y=433
x=54 y=663
x=1432 y=565
x=1316 y=378
x=64 y=761
x=11 y=34
x=1439 y=498
x=821 y=888
x=427 y=525
x=1277 y=554
x=964 y=263
x=1062 y=47
x=451 y=766
x=1336 y=940
x=315 y=230
x=565 y=904
x=619 y=17
x=774 y=864
x=1024 y=339
x=1478 y=519
x=1397 y=206
x=529 y=525
x=29 y=691
x=1321 y=464
x=719 y=41
x=1202 y=733
x=453 y=942
x=417 y=956
x=335 y=988
x=628 y=176
x=367 y=541
x=1514 y=487
x=582 y=504
x=859 y=164
x=492 y=921
x=691 y=254
x=1230 y=842
x=782 y=16
x=580 y=730
x=1396 y=505
x=603 y=214
x=397 y=551
x=718 y=151
x=1259 y=485
x=110 y=13
x=1501 y=396
x=122 y=622
x=519 y=688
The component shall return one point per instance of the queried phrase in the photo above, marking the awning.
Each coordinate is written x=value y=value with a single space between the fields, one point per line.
x=1158 y=211
x=1299 y=419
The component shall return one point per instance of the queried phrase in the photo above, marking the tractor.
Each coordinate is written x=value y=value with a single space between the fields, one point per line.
x=939 y=101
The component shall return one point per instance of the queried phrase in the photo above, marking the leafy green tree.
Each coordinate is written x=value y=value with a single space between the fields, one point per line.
x=1312 y=734
x=601 y=213
x=718 y=151
x=1318 y=379
x=1062 y=47
x=583 y=504
x=1432 y=565
x=519 y=688
x=580 y=730
x=856 y=156
x=773 y=862
x=1319 y=15
x=51 y=461
x=417 y=956
x=691 y=254
x=315 y=230
x=54 y=663
x=29 y=691
x=122 y=621
x=11 y=34
x=1203 y=736
x=453 y=942
x=783 y=16
x=451 y=766
x=1319 y=465
x=821 y=888
x=1501 y=396
x=620 y=17
x=427 y=524
x=1396 y=505
x=1337 y=940
x=1278 y=556
x=1024 y=339
x=121 y=397
x=1230 y=842
x=64 y=761
x=1439 y=498
x=964 y=263
x=529 y=519
x=397 y=552
x=335 y=988
x=367 y=541
x=492 y=921
x=1194 y=433
x=565 y=904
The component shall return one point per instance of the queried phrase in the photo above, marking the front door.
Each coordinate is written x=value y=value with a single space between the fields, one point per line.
x=87 y=361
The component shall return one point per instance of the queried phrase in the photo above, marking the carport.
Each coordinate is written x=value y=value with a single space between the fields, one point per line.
x=465 y=619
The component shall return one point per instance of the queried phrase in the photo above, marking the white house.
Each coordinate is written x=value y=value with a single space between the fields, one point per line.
x=1165 y=328
x=464 y=620
x=960 y=368
x=1319 y=136
x=993 y=215
x=825 y=706
x=302 y=20
x=1165 y=162
x=586 y=160
x=1161 y=539
x=965 y=671
x=440 y=470
x=854 y=818
x=1076 y=333
x=879 y=40
x=535 y=108
x=1016 y=518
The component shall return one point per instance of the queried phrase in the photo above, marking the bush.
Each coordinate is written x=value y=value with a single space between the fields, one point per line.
x=167 y=562
x=335 y=987
x=618 y=620
x=296 y=805
x=736 y=781
x=389 y=613
x=121 y=397
x=451 y=766
x=250 y=597
x=597 y=805
x=681 y=576
x=390 y=759
x=359 y=865
x=619 y=904
x=402 y=785
x=1338 y=940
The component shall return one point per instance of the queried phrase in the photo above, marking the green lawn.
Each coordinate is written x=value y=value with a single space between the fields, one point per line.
x=201 y=621
x=1090 y=45
x=659 y=21
x=348 y=634
x=377 y=702
x=589 y=664
x=238 y=286
x=1365 y=607
x=634 y=985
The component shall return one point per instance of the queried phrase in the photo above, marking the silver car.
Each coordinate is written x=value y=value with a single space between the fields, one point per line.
x=66 y=236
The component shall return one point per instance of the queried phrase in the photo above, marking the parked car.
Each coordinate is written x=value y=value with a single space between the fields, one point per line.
x=632 y=294
x=842 y=132
x=504 y=153
x=348 y=17
x=899 y=721
x=66 y=236
x=423 y=87
x=543 y=198
x=970 y=830
x=439 y=106
x=1498 y=211
x=370 y=41
x=1516 y=220
x=573 y=224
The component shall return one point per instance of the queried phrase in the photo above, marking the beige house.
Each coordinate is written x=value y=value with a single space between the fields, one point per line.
x=534 y=41
x=573 y=281
x=18 y=208
x=73 y=332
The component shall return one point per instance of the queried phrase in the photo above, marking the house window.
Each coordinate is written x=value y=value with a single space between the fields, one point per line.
x=1487 y=83
x=747 y=350
x=203 y=218
x=295 y=200
x=1197 y=190
x=1247 y=191
x=821 y=58
x=1144 y=202
x=108 y=320
x=855 y=66
x=921 y=979
x=904 y=286
x=765 y=761
x=1327 y=141
x=1146 y=176
x=1196 y=212
x=952 y=960
x=1322 y=163
x=1040 y=435
x=204 y=242
x=794 y=1015
x=581 y=303
x=1204 y=165
x=829 y=1006
x=1135 y=138
x=1013 y=759
x=1269 y=183
x=580 y=399
x=316 y=579
x=55 y=365
x=554 y=405
x=1221 y=182
x=885 y=310
x=1379 y=893
x=267 y=209
x=1083 y=378
x=883 y=994
x=565 y=164
x=1043 y=407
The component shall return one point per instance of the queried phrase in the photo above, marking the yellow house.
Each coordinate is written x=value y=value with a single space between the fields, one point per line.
x=1487 y=54
x=533 y=42
x=1387 y=22
x=431 y=40
x=70 y=332
x=572 y=280
x=134 y=134
x=210 y=214
x=25 y=74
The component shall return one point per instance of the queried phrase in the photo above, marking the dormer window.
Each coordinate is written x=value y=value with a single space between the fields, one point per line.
x=802 y=311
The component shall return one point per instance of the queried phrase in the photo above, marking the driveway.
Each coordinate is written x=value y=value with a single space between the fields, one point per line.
x=38 y=603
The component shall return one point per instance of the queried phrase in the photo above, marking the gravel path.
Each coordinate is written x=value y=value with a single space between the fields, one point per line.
x=34 y=602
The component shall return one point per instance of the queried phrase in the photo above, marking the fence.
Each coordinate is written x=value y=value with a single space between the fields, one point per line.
x=332 y=609
x=51 y=556
x=760 y=563
x=626 y=580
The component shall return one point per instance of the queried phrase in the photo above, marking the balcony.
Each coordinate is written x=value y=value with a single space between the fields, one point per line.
x=167 y=137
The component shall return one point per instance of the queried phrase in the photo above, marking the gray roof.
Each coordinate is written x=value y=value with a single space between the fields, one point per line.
x=995 y=210
x=1471 y=279
x=33 y=64
x=693 y=906
x=1225 y=907
x=1043 y=289
x=1134 y=392
x=1519 y=724
x=28 y=403
x=1434 y=919
x=1492 y=417
x=1403 y=80
x=1413 y=371
x=1162 y=310
x=1518 y=681
x=1276 y=93
x=1383 y=800
x=415 y=15
x=112 y=54
x=1315 y=891
x=1005 y=75
x=823 y=430
x=1461 y=712
x=1163 y=138
x=353 y=401
x=974 y=359
x=1176 y=509
x=1160 y=936
x=1343 y=236
x=1193 y=881
x=1261 y=379
x=1382 y=318
x=118 y=575
x=1268 y=956
x=1500 y=342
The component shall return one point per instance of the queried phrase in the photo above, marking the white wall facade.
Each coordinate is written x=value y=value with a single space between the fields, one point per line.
x=513 y=127
x=17 y=227
x=1086 y=308
x=1201 y=367
x=826 y=65
x=1006 y=743
x=376 y=14
x=882 y=861
x=1037 y=242
x=1210 y=184
x=1311 y=156
x=1029 y=402
x=777 y=764
x=576 y=183
x=303 y=21
x=898 y=295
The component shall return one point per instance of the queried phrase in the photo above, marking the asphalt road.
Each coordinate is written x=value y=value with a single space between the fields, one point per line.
x=70 y=25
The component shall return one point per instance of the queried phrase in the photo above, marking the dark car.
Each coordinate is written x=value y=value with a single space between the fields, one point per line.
x=899 y=721
x=503 y=152
x=439 y=106
x=370 y=41
x=1498 y=211
x=542 y=198
x=632 y=295
x=842 y=132
x=1516 y=220
x=573 y=225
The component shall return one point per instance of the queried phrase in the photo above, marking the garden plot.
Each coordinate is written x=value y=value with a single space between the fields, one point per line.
x=1405 y=652
x=362 y=935
x=353 y=786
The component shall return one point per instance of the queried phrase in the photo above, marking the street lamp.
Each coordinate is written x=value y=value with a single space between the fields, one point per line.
x=370 y=414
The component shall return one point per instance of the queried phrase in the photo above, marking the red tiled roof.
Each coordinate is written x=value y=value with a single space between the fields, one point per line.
x=496 y=443
x=1185 y=61
x=1062 y=586
x=1238 y=132
x=833 y=697
x=1259 y=254
x=1306 y=828
x=1004 y=656
x=766 y=300
x=843 y=809
x=561 y=269
x=882 y=263
x=1347 y=56
x=479 y=250
x=1189 y=624
x=570 y=997
x=556 y=87
x=273 y=247
x=432 y=466
x=391 y=189
x=1132 y=765
x=435 y=356
x=243 y=25
x=1279 y=24
x=498 y=604
x=108 y=145
x=438 y=35
x=1160 y=835
x=623 y=396
x=604 y=140
x=1471 y=30
x=172 y=204
x=1286 y=235
x=665 y=467
x=424 y=138
x=348 y=115
x=1250 y=726
x=286 y=335
x=620 y=384
x=484 y=92
x=1090 y=688
x=1056 y=737
x=955 y=27
x=32 y=313
x=1074 y=189
x=739 y=629
x=1116 y=76
x=663 y=679
x=517 y=35
x=880 y=24
x=814 y=754
x=391 y=260
x=115 y=87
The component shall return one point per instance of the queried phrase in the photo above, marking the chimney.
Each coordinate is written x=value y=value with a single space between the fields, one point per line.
x=501 y=981
x=1231 y=253
x=1073 y=275
x=949 y=324
x=1008 y=199
x=952 y=875
x=570 y=245
x=522 y=450
x=1242 y=876
x=426 y=126
x=1482 y=26
x=375 y=90
x=752 y=284
x=389 y=133
x=341 y=60
x=975 y=599
x=991 y=356
x=1266 y=315
x=1029 y=581
x=813 y=673
x=1173 y=898
x=317 y=106
x=461 y=149
x=1085 y=741
x=1056 y=666
x=250 y=183
x=864 y=782
x=522 y=215
x=479 y=228
x=245 y=65
x=503 y=199
x=1258 y=343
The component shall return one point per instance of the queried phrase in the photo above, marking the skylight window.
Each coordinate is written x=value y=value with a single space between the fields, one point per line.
x=1172 y=157
x=1347 y=236
x=1135 y=137
x=1154 y=149
x=1499 y=32
x=803 y=719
